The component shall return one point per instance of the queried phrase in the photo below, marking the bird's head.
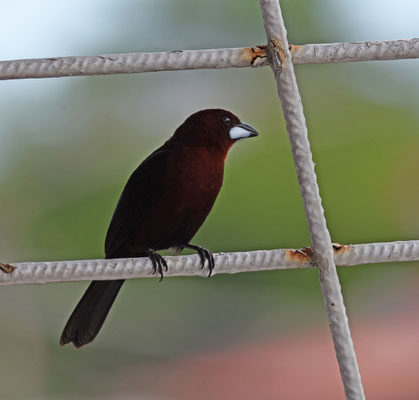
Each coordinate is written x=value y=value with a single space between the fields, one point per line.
x=213 y=128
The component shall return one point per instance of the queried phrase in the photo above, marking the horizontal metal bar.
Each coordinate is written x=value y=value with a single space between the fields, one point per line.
x=204 y=59
x=356 y=51
x=133 y=63
x=225 y=263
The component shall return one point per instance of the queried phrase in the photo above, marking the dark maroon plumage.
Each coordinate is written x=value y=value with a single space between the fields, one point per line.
x=163 y=204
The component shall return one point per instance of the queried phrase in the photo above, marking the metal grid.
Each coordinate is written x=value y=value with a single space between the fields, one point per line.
x=280 y=56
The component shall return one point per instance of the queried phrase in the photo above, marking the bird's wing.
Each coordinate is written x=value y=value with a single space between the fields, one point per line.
x=142 y=190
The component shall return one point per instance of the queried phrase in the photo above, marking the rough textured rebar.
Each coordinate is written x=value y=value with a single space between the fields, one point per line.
x=133 y=63
x=280 y=56
x=204 y=59
x=356 y=51
x=225 y=263
x=376 y=253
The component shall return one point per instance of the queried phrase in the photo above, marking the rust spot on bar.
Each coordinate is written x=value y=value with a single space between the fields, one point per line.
x=306 y=254
x=300 y=255
x=294 y=47
x=7 y=268
x=340 y=248
x=279 y=50
x=254 y=54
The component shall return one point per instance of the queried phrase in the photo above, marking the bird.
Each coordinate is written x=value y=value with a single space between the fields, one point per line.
x=164 y=203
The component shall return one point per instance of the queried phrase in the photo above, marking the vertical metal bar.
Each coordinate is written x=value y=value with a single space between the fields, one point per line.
x=297 y=130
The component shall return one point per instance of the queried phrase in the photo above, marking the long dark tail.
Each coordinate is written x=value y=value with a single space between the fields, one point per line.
x=90 y=313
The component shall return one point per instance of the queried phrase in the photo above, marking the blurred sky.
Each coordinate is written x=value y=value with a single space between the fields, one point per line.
x=47 y=28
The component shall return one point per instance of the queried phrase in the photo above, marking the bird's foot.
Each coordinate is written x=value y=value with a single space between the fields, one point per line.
x=204 y=254
x=158 y=263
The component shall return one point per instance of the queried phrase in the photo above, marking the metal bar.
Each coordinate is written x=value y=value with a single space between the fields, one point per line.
x=356 y=51
x=133 y=63
x=225 y=263
x=280 y=56
x=204 y=59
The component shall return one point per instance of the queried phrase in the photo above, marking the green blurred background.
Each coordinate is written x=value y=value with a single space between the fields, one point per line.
x=69 y=145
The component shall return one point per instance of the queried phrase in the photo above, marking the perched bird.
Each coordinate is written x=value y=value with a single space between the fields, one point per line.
x=162 y=206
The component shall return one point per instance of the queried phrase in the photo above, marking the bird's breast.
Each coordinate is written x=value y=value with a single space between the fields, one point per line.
x=191 y=184
x=197 y=176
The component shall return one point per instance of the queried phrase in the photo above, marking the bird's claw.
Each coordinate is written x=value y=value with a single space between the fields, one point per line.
x=207 y=255
x=204 y=255
x=158 y=263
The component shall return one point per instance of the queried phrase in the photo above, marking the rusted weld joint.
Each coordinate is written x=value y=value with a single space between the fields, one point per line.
x=306 y=255
x=256 y=55
x=276 y=55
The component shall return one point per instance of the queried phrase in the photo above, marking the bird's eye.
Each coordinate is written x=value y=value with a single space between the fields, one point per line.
x=227 y=121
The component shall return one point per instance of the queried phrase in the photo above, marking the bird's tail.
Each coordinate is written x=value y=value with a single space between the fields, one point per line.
x=91 y=311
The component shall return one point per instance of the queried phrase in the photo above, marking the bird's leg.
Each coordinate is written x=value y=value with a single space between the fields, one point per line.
x=158 y=262
x=204 y=254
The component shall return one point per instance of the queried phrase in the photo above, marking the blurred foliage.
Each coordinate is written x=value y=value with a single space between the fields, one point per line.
x=72 y=143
